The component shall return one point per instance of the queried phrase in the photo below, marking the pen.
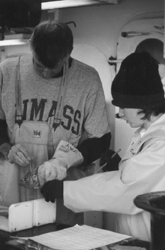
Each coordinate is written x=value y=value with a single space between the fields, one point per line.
x=106 y=162
x=101 y=168
x=115 y=153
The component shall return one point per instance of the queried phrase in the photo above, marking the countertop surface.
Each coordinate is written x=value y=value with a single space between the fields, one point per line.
x=7 y=243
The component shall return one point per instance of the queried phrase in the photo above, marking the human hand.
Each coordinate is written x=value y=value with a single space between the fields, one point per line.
x=110 y=159
x=19 y=155
x=52 y=190
x=50 y=170
x=65 y=156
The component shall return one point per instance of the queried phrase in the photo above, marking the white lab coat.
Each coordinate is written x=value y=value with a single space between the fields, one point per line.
x=142 y=170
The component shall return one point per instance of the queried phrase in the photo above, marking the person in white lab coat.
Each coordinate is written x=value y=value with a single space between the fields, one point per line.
x=138 y=92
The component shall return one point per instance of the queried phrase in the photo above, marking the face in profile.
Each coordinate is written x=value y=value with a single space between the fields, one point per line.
x=132 y=117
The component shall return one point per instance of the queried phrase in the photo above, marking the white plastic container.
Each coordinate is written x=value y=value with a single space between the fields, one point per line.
x=24 y=215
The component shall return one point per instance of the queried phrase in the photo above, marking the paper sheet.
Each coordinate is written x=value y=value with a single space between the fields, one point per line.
x=79 y=238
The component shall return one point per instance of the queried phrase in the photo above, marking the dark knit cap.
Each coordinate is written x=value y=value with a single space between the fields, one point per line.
x=138 y=84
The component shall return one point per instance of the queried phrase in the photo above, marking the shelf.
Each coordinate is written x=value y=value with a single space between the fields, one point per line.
x=74 y=3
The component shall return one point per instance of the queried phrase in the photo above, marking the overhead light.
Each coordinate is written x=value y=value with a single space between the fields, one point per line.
x=12 y=42
x=73 y=3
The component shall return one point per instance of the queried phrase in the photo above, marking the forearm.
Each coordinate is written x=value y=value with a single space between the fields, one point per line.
x=4 y=138
x=92 y=148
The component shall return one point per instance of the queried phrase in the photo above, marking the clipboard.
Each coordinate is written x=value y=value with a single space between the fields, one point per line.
x=74 y=238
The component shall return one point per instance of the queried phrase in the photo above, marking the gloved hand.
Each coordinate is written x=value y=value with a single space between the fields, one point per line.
x=52 y=190
x=65 y=156
x=4 y=151
x=19 y=155
x=110 y=159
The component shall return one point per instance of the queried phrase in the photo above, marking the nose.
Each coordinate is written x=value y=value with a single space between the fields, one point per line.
x=121 y=112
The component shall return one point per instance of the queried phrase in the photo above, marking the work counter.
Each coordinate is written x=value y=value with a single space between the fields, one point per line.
x=7 y=243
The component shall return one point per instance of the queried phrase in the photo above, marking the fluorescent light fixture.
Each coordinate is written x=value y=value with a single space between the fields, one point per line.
x=73 y=3
x=12 y=42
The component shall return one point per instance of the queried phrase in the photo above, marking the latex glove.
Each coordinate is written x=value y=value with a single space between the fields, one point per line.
x=52 y=190
x=65 y=156
x=4 y=151
x=51 y=170
x=19 y=155
x=111 y=160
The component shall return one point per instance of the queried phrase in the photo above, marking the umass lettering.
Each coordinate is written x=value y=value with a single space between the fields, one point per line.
x=70 y=118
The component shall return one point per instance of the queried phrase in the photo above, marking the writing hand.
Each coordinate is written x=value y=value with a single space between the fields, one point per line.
x=111 y=160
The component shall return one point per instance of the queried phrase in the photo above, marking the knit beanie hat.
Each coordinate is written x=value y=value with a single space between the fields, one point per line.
x=138 y=83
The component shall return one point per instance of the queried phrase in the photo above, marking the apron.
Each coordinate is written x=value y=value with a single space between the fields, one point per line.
x=35 y=136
